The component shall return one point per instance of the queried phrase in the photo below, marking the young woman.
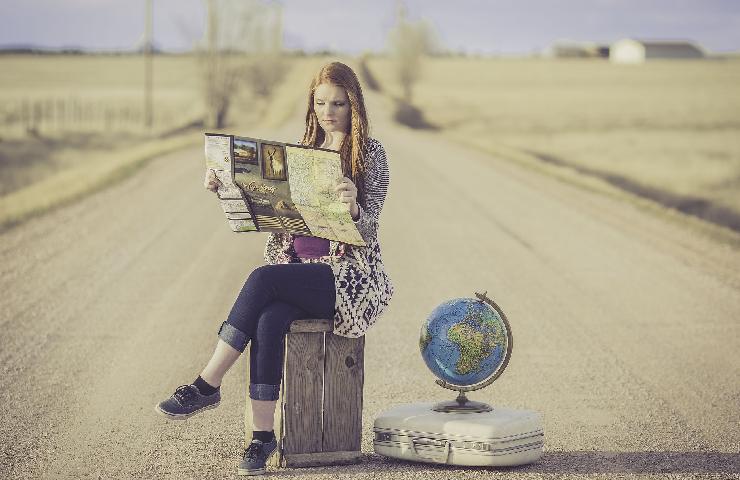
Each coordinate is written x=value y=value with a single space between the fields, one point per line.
x=305 y=277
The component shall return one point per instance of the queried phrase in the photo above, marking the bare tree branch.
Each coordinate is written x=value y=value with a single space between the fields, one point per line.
x=409 y=42
x=243 y=51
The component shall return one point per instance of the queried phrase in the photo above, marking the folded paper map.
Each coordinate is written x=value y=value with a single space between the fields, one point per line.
x=271 y=186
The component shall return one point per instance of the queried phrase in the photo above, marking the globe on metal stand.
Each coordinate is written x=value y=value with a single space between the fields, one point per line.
x=466 y=343
x=496 y=334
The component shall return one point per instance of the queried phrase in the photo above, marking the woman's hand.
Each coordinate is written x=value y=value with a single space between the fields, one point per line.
x=348 y=194
x=211 y=182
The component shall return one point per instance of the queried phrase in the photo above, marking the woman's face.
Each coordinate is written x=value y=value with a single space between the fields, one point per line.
x=331 y=104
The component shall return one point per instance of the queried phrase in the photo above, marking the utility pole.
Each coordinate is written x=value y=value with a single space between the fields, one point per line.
x=212 y=33
x=148 y=66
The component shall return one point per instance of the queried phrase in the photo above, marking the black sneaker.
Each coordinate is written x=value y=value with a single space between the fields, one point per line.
x=186 y=402
x=256 y=456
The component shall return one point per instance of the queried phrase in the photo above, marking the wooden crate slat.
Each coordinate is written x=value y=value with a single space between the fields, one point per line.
x=321 y=458
x=343 y=381
x=319 y=412
x=304 y=365
x=311 y=325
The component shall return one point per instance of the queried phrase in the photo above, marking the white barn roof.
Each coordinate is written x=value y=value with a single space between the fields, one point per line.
x=631 y=50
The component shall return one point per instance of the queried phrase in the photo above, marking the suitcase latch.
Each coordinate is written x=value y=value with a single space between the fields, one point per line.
x=431 y=442
x=382 y=436
x=482 y=446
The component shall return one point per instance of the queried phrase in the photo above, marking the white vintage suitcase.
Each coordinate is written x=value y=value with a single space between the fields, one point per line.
x=502 y=437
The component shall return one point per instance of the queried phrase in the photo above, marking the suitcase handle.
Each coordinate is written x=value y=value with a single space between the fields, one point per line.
x=433 y=443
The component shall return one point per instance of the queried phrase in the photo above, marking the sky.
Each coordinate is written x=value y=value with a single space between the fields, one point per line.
x=500 y=27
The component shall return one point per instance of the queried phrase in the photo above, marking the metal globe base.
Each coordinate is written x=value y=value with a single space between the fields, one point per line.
x=462 y=405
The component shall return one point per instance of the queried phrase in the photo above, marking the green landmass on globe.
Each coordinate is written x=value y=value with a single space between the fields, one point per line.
x=425 y=339
x=473 y=348
x=476 y=336
x=464 y=341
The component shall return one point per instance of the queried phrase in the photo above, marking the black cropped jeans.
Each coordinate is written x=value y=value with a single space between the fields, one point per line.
x=271 y=298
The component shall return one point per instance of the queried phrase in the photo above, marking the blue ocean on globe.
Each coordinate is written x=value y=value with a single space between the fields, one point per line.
x=463 y=341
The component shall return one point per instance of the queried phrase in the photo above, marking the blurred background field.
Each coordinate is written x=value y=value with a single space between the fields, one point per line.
x=55 y=110
x=70 y=124
x=668 y=130
x=94 y=92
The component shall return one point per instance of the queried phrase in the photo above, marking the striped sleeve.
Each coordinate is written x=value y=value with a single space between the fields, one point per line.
x=377 y=179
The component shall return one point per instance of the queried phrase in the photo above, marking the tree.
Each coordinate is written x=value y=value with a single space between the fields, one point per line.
x=242 y=49
x=409 y=42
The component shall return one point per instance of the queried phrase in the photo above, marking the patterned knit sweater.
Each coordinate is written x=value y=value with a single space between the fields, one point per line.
x=363 y=289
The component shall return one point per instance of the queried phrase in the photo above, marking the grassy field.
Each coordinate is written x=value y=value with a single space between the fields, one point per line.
x=77 y=121
x=668 y=130
x=96 y=86
x=58 y=111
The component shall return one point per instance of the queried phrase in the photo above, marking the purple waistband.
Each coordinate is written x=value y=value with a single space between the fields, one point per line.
x=310 y=247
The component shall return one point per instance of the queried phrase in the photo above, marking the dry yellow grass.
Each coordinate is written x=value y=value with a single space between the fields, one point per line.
x=80 y=158
x=87 y=175
x=672 y=126
x=99 y=82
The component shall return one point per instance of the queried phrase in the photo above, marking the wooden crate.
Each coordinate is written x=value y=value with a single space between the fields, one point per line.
x=319 y=415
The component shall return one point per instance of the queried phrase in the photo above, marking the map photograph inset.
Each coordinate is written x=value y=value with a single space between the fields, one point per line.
x=273 y=162
x=245 y=151
x=245 y=158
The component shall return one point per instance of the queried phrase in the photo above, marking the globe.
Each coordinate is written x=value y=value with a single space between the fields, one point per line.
x=466 y=343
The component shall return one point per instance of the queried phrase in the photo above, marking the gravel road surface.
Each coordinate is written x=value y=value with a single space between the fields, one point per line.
x=626 y=324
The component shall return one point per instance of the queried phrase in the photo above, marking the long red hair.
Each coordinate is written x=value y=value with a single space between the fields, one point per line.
x=351 y=151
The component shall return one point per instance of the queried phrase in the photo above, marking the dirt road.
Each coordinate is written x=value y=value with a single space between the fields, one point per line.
x=626 y=325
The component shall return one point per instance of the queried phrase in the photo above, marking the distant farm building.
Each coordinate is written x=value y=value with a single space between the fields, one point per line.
x=639 y=51
x=578 y=50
